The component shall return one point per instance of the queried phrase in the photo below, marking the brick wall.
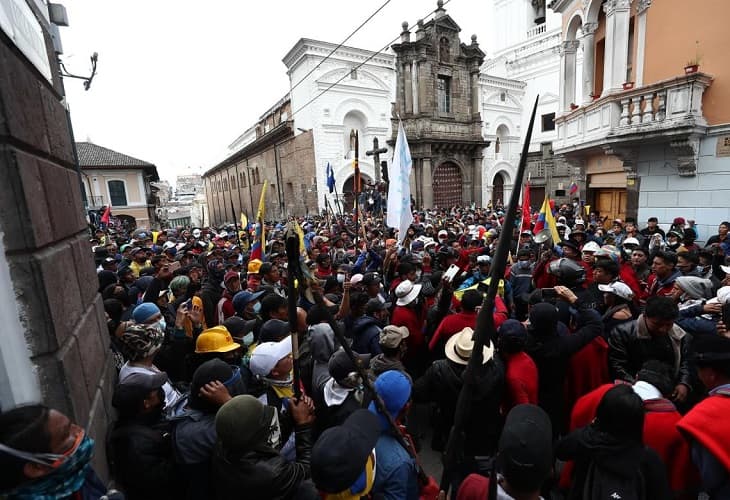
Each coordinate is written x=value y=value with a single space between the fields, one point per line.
x=46 y=245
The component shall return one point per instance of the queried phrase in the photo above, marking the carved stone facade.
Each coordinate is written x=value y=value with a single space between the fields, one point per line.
x=437 y=98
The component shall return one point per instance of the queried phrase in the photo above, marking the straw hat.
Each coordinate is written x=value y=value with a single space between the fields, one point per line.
x=458 y=347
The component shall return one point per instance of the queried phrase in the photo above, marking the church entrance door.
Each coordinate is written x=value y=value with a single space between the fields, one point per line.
x=447 y=185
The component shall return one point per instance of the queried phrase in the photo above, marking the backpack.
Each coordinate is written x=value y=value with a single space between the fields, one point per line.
x=604 y=484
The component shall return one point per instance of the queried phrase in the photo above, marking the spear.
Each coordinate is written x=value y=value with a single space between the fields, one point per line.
x=294 y=277
x=485 y=331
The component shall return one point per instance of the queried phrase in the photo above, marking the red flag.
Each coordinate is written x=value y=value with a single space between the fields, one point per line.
x=107 y=214
x=526 y=216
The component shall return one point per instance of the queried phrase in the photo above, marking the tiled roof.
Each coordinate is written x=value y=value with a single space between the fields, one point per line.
x=91 y=155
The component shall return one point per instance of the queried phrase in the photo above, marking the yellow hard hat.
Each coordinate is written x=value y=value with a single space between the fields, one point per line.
x=254 y=266
x=216 y=339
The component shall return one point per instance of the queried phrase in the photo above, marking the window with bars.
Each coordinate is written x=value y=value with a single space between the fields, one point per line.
x=443 y=91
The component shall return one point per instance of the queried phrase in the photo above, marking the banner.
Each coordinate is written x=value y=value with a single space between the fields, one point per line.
x=399 y=189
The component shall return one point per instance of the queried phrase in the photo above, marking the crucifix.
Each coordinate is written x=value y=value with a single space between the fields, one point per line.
x=375 y=153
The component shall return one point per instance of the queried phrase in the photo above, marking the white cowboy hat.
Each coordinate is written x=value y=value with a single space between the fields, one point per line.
x=459 y=346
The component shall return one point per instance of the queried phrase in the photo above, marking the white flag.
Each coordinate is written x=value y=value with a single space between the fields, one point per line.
x=399 y=190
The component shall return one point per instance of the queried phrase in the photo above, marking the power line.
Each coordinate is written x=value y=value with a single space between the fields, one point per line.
x=363 y=63
x=340 y=45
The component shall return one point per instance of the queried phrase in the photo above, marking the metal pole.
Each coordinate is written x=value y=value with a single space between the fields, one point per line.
x=356 y=188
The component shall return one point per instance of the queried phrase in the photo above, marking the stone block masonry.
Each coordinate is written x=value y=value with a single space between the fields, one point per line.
x=62 y=354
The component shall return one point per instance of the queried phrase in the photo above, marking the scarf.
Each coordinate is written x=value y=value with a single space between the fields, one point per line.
x=61 y=483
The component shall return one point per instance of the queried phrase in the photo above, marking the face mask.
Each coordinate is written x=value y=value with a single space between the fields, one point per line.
x=248 y=339
x=257 y=308
x=340 y=278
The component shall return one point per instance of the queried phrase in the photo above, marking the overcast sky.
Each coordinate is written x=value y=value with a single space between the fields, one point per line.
x=179 y=81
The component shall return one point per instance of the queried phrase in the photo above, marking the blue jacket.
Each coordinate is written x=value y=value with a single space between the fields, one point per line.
x=395 y=476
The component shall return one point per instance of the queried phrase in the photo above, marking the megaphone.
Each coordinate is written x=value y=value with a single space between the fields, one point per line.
x=543 y=236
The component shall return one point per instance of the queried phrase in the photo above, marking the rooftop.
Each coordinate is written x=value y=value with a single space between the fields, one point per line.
x=92 y=155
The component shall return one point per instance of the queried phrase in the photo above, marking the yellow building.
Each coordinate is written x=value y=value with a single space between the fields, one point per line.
x=110 y=177
x=645 y=107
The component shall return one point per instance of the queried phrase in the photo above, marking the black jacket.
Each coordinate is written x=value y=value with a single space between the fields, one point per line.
x=210 y=294
x=551 y=352
x=441 y=385
x=142 y=461
x=262 y=474
x=630 y=345
x=605 y=464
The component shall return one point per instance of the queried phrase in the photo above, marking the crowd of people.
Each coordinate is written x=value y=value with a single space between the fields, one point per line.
x=608 y=375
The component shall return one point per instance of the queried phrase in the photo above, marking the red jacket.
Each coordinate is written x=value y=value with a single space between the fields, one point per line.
x=628 y=276
x=413 y=320
x=588 y=369
x=454 y=323
x=660 y=434
x=661 y=290
x=521 y=380
x=707 y=423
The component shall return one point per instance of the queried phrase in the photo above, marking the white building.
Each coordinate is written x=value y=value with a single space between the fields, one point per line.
x=523 y=61
x=354 y=100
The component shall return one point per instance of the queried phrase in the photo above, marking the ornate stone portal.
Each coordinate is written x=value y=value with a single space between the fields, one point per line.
x=437 y=98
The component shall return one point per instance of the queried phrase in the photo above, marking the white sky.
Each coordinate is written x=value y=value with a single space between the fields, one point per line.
x=177 y=81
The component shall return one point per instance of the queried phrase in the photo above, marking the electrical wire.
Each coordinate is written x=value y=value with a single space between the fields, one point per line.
x=340 y=45
x=364 y=62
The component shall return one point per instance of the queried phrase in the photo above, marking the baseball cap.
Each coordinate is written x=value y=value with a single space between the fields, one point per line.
x=230 y=275
x=391 y=336
x=370 y=278
x=242 y=298
x=484 y=259
x=356 y=278
x=267 y=355
x=341 y=456
x=340 y=365
x=375 y=305
x=129 y=394
x=525 y=448
x=619 y=289
x=395 y=390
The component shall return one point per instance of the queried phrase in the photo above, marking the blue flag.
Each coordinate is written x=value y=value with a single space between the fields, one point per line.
x=330 y=178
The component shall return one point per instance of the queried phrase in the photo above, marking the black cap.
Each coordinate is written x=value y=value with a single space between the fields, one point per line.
x=340 y=454
x=340 y=365
x=274 y=330
x=370 y=278
x=375 y=305
x=129 y=394
x=525 y=447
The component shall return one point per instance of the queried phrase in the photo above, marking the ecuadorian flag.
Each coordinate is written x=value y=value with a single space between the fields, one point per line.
x=546 y=220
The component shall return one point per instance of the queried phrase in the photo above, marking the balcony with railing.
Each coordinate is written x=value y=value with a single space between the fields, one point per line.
x=538 y=30
x=664 y=111
x=94 y=202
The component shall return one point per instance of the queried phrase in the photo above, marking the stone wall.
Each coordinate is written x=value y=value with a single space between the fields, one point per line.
x=665 y=195
x=46 y=245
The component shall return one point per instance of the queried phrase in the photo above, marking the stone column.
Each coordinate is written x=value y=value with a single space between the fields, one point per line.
x=408 y=88
x=414 y=178
x=427 y=172
x=414 y=87
x=568 y=51
x=474 y=93
x=608 y=8
x=477 y=167
x=641 y=9
x=622 y=18
x=588 y=43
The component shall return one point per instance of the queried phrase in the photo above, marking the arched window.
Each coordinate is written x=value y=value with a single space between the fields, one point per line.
x=498 y=190
x=500 y=145
x=233 y=182
x=354 y=121
x=117 y=193
x=496 y=144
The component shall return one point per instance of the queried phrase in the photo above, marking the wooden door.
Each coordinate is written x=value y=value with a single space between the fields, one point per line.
x=447 y=185
x=611 y=203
